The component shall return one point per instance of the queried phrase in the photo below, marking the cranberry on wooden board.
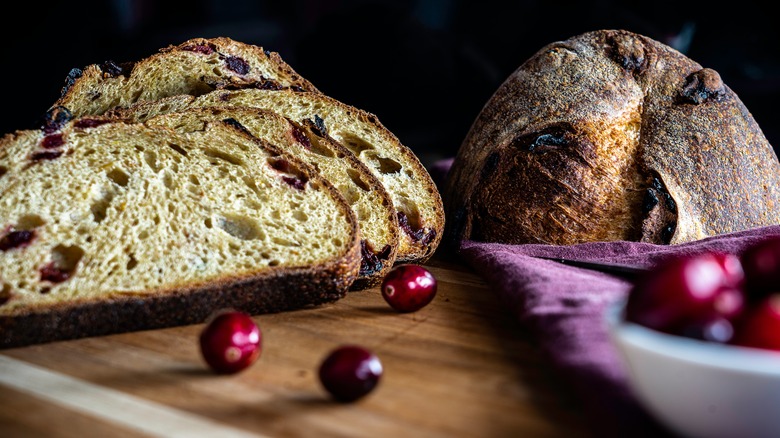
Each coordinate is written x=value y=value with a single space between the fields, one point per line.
x=230 y=342
x=350 y=372
x=408 y=288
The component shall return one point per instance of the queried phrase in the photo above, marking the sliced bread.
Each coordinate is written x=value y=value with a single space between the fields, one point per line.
x=414 y=194
x=367 y=196
x=115 y=227
x=195 y=66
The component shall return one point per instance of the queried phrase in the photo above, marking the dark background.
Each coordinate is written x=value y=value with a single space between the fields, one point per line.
x=424 y=67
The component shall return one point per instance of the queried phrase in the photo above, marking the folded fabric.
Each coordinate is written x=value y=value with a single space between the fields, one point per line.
x=563 y=307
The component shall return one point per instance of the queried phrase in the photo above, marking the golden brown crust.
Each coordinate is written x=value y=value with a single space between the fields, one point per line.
x=98 y=88
x=611 y=135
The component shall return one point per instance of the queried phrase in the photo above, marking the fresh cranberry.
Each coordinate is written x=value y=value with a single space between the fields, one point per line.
x=760 y=325
x=350 y=372
x=230 y=342
x=686 y=291
x=761 y=262
x=408 y=288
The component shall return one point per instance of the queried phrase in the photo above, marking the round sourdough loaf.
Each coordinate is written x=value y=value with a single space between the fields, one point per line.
x=607 y=136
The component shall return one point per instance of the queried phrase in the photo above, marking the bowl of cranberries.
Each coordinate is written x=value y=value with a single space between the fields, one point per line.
x=700 y=337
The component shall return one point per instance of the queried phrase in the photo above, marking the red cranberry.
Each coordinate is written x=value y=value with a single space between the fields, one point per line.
x=688 y=290
x=761 y=262
x=408 y=288
x=350 y=372
x=760 y=325
x=230 y=342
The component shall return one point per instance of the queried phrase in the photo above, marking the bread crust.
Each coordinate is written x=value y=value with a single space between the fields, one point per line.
x=287 y=289
x=99 y=87
x=611 y=135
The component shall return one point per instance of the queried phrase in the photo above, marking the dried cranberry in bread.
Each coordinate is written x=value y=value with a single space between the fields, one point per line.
x=194 y=67
x=611 y=135
x=114 y=227
x=415 y=196
x=366 y=195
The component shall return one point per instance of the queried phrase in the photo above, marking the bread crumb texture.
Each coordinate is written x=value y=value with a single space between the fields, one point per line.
x=124 y=209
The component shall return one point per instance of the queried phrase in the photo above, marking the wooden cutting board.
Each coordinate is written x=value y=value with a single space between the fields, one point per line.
x=460 y=367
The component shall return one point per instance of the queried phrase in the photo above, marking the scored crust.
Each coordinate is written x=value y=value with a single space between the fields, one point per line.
x=611 y=135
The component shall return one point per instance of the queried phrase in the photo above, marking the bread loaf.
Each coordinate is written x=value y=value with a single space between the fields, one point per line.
x=611 y=135
x=365 y=193
x=111 y=227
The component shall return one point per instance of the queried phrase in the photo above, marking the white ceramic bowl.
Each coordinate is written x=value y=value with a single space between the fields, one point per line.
x=697 y=388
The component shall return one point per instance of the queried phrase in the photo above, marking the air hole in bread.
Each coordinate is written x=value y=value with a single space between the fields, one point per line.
x=194 y=180
x=318 y=148
x=411 y=212
x=178 y=149
x=28 y=222
x=337 y=242
x=207 y=222
x=350 y=194
x=274 y=262
x=355 y=144
x=386 y=165
x=100 y=205
x=131 y=262
x=118 y=176
x=300 y=216
x=241 y=227
x=284 y=242
x=3 y=171
x=151 y=160
x=219 y=155
x=143 y=235
x=358 y=180
x=64 y=260
x=168 y=180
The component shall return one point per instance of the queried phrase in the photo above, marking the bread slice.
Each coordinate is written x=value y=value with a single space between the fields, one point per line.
x=368 y=198
x=194 y=67
x=414 y=194
x=115 y=227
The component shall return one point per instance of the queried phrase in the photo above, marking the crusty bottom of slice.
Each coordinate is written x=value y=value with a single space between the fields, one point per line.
x=123 y=227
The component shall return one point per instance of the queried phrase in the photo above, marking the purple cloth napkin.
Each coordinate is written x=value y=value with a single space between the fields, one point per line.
x=563 y=307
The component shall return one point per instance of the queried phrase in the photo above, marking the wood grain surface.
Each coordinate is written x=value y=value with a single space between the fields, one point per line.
x=460 y=367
